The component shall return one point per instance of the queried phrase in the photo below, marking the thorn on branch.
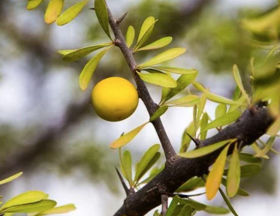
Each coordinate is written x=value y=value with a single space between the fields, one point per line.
x=126 y=189
x=92 y=8
x=196 y=141
x=121 y=18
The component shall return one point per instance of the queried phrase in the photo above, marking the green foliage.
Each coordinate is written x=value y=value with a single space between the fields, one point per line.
x=102 y=15
x=205 y=150
x=31 y=202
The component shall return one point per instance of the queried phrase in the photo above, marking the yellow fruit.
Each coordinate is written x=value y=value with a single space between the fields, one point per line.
x=114 y=98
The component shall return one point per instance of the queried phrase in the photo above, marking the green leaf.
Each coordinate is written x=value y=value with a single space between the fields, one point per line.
x=39 y=206
x=214 y=178
x=233 y=177
x=250 y=170
x=100 y=8
x=213 y=97
x=126 y=138
x=221 y=110
x=186 y=211
x=65 y=52
x=238 y=81
x=256 y=148
x=165 y=56
x=216 y=210
x=159 y=112
x=223 y=120
x=158 y=79
x=186 y=101
x=157 y=44
x=172 y=206
x=203 y=124
x=247 y=170
x=80 y=53
x=145 y=161
x=267 y=148
x=58 y=210
x=186 y=140
x=145 y=32
x=11 y=178
x=206 y=150
x=71 y=13
x=154 y=172
x=89 y=69
x=127 y=166
x=130 y=34
x=53 y=10
x=228 y=202
x=191 y=184
x=25 y=198
x=201 y=106
x=164 y=92
x=32 y=4
x=156 y=213
x=182 y=82
x=249 y=158
x=177 y=70
x=235 y=97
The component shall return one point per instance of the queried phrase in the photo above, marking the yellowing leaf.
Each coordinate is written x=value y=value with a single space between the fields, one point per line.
x=102 y=15
x=71 y=13
x=159 y=112
x=74 y=55
x=274 y=128
x=11 y=178
x=182 y=82
x=238 y=81
x=40 y=206
x=206 y=150
x=89 y=69
x=157 y=44
x=158 y=79
x=130 y=34
x=223 y=120
x=32 y=4
x=214 y=178
x=186 y=101
x=53 y=10
x=165 y=56
x=126 y=138
x=233 y=177
x=25 y=198
x=65 y=52
x=267 y=148
x=145 y=32
x=146 y=162
x=58 y=210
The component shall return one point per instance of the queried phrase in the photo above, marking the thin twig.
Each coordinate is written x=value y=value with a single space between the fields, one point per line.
x=164 y=202
x=144 y=94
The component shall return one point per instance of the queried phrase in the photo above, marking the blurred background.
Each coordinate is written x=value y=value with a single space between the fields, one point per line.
x=48 y=128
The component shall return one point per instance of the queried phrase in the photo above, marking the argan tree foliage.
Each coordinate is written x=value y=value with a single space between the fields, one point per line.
x=218 y=162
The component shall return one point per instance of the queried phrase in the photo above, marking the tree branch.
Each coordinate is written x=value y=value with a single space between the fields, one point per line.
x=246 y=129
x=142 y=89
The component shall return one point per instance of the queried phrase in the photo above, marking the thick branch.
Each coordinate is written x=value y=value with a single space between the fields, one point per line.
x=142 y=89
x=246 y=129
